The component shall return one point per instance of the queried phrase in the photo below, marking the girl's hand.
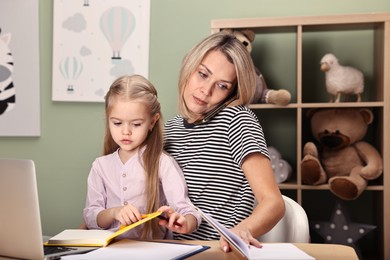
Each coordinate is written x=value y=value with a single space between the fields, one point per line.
x=244 y=234
x=175 y=221
x=127 y=215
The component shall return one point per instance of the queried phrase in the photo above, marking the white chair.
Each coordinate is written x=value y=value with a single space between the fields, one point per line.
x=292 y=228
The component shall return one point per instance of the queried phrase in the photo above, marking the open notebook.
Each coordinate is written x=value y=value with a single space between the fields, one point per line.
x=20 y=223
x=94 y=237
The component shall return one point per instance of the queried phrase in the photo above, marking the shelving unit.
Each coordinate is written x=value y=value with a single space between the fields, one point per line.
x=295 y=45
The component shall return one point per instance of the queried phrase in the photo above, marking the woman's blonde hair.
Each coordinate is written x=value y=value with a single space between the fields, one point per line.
x=235 y=52
x=130 y=88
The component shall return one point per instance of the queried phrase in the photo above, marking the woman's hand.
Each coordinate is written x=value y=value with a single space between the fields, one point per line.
x=244 y=234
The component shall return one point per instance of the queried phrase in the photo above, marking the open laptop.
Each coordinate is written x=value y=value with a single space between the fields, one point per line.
x=20 y=223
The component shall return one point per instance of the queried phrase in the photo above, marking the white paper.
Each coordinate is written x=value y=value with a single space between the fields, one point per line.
x=81 y=236
x=285 y=251
x=130 y=249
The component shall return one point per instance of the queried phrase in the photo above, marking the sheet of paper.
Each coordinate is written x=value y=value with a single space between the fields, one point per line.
x=285 y=251
x=130 y=249
x=81 y=236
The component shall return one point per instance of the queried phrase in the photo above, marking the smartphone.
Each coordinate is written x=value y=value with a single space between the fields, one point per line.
x=216 y=110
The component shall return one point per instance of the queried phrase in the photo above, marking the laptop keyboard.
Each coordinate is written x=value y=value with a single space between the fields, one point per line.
x=56 y=249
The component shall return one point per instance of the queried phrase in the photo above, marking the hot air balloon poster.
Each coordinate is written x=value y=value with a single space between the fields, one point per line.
x=95 y=42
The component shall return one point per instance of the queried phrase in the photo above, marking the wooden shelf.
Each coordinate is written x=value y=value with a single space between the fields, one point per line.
x=318 y=105
x=354 y=20
x=305 y=36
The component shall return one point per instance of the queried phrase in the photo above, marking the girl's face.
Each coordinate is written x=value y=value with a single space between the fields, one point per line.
x=210 y=84
x=130 y=123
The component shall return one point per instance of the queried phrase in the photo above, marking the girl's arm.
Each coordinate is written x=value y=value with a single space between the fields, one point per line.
x=175 y=190
x=270 y=208
x=126 y=215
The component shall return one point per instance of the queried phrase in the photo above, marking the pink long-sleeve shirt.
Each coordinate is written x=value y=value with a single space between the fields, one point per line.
x=112 y=183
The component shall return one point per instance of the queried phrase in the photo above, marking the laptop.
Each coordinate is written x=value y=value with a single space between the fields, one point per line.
x=20 y=223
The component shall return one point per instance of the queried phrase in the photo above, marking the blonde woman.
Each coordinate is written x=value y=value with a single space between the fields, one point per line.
x=219 y=143
x=134 y=176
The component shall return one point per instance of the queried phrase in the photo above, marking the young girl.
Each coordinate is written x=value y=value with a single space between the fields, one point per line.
x=134 y=176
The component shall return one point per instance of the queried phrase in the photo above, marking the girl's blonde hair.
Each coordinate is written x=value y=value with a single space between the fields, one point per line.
x=130 y=88
x=235 y=52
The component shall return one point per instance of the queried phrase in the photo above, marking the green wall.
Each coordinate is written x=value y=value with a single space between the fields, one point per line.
x=71 y=133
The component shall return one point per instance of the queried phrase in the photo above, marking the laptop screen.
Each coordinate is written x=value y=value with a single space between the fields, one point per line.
x=20 y=225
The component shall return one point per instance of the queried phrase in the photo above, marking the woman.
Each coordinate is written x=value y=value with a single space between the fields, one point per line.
x=219 y=143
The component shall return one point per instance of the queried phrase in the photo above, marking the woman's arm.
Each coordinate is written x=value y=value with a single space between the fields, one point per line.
x=270 y=208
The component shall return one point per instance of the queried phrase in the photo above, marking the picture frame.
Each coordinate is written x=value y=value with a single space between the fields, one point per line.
x=19 y=68
x=95 y=42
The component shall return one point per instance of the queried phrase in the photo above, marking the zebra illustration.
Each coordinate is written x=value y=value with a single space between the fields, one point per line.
x=7 y=90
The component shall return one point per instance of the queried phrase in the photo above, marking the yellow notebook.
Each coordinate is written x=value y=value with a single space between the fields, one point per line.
x=94 y=237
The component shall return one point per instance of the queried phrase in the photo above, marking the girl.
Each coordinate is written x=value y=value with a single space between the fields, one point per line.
x=134 y=176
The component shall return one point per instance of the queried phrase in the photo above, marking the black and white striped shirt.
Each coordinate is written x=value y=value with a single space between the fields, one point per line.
x=211 y=155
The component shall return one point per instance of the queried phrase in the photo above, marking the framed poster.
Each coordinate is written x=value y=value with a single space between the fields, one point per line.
x=19 y=68
x=95 y=42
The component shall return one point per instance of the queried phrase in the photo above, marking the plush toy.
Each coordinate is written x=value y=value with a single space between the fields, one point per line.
x=341 y=79
x=281 y=168
x=342 y=158
x=263 y=94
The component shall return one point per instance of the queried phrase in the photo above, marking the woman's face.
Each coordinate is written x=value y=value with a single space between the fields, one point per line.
x=210 y=84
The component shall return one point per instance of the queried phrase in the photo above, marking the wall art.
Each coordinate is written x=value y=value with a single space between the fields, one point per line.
x=19 y=68
x=94 y=42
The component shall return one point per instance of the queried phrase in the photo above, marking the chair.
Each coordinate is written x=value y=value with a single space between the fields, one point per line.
x=292 y=228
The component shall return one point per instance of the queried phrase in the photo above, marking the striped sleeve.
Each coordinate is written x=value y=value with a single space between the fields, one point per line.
x=246 y=136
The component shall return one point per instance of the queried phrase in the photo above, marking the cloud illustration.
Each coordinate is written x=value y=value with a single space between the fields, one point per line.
x=76 y=23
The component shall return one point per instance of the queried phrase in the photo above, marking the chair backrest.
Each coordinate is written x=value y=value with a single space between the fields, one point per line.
x=292 y=228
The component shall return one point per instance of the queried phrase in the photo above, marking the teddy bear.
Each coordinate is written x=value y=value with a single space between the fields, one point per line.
x=263 y=94
x=342 y=158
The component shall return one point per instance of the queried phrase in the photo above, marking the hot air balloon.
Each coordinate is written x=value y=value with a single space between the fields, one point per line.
x=117 y=24
x=70 y=68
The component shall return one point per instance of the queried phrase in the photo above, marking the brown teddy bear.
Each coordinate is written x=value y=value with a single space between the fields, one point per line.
x=343 y=159
x=263 y=94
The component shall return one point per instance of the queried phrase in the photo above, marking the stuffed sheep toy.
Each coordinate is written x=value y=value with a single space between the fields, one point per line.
x=341 y=79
